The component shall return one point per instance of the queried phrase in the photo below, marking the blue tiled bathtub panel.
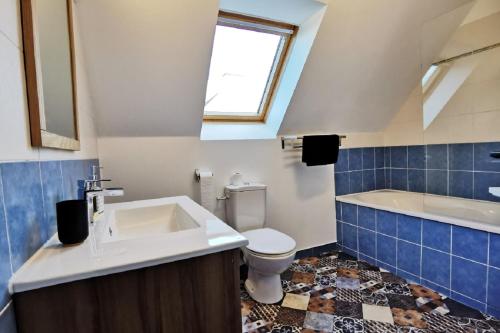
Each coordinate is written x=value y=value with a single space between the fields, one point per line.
x=28 y=194
x=460 y=262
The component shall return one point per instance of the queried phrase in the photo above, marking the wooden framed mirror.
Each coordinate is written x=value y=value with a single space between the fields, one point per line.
x=49 y=59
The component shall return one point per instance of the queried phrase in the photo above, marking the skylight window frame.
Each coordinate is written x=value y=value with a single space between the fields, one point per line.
x=287 y=32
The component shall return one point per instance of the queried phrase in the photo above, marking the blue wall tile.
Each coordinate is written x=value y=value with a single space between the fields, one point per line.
x=494 y=250
x=72 y=171
x=342 y=161
x=411 y=278
x=399 y=157
x=5 y=271
x=368 y=180
x=380 y=179
x=437 y=182
x=350 y=236
x=338 y=210
x=379 y=157
x=461 y=184
x=386 y=223
x=469 y=302
x=437 y=157
x=366 y=217
x=356 y=159
x=52 y=186
x=468 y=278
x=470 y=243
x=350 y=213
x=436 y=235
x=399 y=179
x=494 y=287
x=482 y=182
x=461 y=156
x=409 y=257
x=409 y=228
x=368 y=158
x=339 y=232
x=387 y=157
x=24 y=208
x=386 y=249
x=436 y=267
x=356 y=181
x=482 y=159
x=416 y=157
x=367 y=242
x=342 y=183
x=416 y=180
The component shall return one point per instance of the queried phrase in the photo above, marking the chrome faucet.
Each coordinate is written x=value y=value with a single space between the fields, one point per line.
x=94 y=194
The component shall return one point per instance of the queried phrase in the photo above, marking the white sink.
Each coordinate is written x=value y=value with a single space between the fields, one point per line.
x=148 y=221
x=495 y=191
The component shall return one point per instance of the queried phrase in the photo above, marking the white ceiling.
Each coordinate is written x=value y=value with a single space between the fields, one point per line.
x=148 y=63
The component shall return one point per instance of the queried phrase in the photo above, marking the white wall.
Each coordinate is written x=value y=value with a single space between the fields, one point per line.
x=300 y=198
x=14 y=126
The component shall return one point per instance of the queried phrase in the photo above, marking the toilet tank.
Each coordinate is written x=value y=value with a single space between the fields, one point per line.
x=246 y=206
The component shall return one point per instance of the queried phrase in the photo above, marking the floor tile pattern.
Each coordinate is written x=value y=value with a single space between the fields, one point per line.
x=336 y=293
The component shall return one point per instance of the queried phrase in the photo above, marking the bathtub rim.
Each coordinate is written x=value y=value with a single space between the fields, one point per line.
x=478 y=225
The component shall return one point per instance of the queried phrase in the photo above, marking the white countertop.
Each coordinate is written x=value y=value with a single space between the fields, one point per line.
x=54 y=263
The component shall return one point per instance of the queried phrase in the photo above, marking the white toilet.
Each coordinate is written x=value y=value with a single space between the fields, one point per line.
x=269 y=252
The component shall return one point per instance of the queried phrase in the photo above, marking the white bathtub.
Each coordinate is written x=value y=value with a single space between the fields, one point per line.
x=481 y=215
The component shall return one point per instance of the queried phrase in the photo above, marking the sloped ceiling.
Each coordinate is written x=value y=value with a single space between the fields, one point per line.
x=148 y=63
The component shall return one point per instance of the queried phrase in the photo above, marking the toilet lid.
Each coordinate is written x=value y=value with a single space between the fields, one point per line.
x=269 y=241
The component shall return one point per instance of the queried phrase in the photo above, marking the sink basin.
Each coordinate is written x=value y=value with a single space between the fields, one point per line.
x=146 y=221
x=495 y=191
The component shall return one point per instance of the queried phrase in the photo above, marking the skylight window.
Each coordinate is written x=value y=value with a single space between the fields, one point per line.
x=247 y=59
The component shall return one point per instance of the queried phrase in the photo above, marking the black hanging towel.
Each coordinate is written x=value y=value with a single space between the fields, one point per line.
x=320 y=149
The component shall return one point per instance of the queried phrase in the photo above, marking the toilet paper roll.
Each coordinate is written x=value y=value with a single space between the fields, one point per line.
x=207 y=192
x=236 y=179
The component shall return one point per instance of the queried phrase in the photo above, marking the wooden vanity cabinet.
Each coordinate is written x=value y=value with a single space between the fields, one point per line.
x=196 y=295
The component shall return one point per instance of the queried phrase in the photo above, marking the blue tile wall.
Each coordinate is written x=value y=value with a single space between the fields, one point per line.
x=459 y=262
x=463 y=170
x=28 y=194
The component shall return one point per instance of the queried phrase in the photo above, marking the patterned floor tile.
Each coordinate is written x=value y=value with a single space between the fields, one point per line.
x=374 y=298
x=402 y=302
x=411 y=318
x=294 y=301
x=319 y=321
x=302 y=277
x=321 y=305
x=347 y=325
x=347 y=283
x=365 y=276
x=325 y=280
x=377 y=313
x=278 y=328
x=336 y=293
x=349 y=309
x=420 y=291
x=292 y=317
x=351 y=273
x=313 y=261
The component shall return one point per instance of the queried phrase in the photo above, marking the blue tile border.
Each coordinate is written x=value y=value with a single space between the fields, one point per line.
x=463 y=170
x=28 y=194
x=460 y=262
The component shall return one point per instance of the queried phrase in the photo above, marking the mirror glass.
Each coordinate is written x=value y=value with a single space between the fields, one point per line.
x=55 y=67
x=460 y=86
x=50 y=73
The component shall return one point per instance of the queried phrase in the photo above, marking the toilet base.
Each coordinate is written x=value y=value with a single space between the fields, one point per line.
x=262 y=288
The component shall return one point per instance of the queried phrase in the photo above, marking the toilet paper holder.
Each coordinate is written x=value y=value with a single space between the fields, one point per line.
x=197 y=176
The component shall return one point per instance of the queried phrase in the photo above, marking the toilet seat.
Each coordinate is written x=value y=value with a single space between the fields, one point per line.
x=268 y=242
